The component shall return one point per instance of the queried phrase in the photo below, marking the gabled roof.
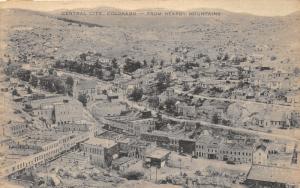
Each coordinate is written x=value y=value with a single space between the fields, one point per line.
x=262 y=147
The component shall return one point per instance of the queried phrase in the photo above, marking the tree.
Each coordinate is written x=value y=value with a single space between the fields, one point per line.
x=273 y=58
x=145 y=63
x=196 y=75
x=34 y=81
x=59 y=86
x=207 y=59
x=153 y=61
x=215 y=118
x=198 y=90
x=51 y=71
x=170 y=105
x=29 y=91
x=154 y=101
x=70 y=84
x=114 y=63
x=162 y=63
x=163 y=81
x=131 y=65
x=70 y=81
x=98 y=73
x=24 y=74
x=186 y=87
x=83 y=56
x=83 y=99
x=136 y=94
x=15 y=92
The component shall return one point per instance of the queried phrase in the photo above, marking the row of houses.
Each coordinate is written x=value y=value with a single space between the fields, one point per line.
x=47 y=152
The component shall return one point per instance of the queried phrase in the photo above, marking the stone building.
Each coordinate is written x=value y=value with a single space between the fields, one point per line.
x=100 y=151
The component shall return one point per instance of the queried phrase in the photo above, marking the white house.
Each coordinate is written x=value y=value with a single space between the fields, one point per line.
x=260 y=155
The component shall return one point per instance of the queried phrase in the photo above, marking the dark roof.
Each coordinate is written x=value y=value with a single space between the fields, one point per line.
x=261 y=146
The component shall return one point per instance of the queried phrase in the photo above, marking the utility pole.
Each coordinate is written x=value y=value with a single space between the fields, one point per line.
x=180 y=166
x=156 y=174
x=150 y=172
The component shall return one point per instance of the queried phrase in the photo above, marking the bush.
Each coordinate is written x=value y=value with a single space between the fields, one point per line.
x=15 y=92
x=273 y=58
x=163 y=81
x=133 y=175
x=83 y=99
x=131 y=65
x=136 y=94
x=170 y=105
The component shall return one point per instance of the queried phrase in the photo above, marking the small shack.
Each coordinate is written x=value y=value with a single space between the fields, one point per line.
x=157 y=157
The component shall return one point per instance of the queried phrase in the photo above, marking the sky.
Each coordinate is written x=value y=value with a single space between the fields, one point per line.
x=256 y=7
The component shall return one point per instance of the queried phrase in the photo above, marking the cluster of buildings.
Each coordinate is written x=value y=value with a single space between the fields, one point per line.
x=56 y=110
x=37 y=148
x=125 y=136
x=109 y=149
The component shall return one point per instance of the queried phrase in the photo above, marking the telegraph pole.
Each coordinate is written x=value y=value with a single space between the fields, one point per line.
x=180 y=166
x=150 y=172
x=156 y=174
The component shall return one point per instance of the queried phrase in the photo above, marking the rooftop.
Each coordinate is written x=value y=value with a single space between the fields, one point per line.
x=274 y=174
x=261 y=146
x=101 y=142
x=158 y=153
x=121 y=161
x=86 y=84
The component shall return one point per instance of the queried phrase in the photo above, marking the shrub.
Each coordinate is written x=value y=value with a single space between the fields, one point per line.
x=133 y=175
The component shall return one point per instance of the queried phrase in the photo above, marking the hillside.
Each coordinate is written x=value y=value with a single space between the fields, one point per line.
x=53 y=34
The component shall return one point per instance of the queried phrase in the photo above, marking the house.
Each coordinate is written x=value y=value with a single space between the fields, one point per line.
x=293 y=98
x=260 y=155
x=207 y=146
x=235 y=152
x=4 y=145
x=210 y=147
x=124 y=145
x=277 y=119
x=85 y=87
x=157 y=157
x=159 y=137
x=169 y=93
x=100 y=152
x=140 y=126
x=67 y=111
x=138 y=149
x=185 y=110
x=81 y=126
x=188 y=81
x=14 y=129
x=273 y=177
x=174 y=143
